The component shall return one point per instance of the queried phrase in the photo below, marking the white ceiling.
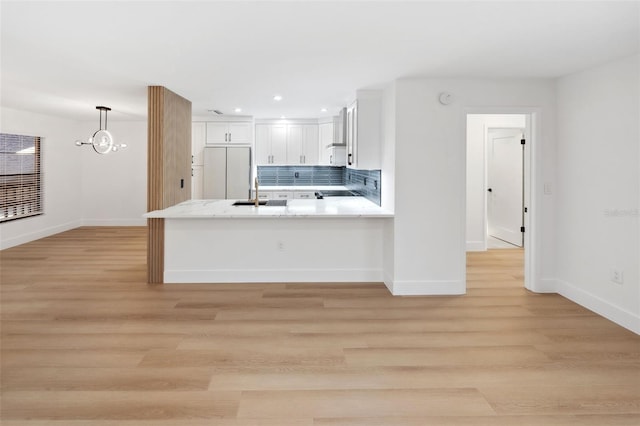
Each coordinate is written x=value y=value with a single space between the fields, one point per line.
x=64 y=58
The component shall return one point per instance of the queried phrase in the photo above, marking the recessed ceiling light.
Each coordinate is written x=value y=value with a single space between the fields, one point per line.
x=277 y=98
x=282 y=117
x=323 y=110
x=238 y=110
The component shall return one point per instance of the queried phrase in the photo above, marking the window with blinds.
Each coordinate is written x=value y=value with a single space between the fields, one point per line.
x=20 y=178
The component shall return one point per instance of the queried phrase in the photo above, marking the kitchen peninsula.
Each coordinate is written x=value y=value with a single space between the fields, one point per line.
x=308 y=240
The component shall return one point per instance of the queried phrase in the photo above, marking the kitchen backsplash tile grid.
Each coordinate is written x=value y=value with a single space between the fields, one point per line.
x=300 y=175
x=364 y=182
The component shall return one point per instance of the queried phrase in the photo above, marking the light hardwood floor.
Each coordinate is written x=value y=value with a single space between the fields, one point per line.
x=85 y=341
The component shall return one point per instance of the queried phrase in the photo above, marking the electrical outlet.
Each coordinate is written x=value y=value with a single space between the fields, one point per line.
x=280 y=246
x=617 y=276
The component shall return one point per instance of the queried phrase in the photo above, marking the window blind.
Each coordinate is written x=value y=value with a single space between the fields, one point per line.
x=20 y=177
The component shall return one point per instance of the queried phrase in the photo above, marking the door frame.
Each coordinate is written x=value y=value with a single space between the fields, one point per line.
x=532 y=174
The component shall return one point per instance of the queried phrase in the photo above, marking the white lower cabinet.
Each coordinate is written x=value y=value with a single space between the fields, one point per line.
x=303 y=195
x=281 y=195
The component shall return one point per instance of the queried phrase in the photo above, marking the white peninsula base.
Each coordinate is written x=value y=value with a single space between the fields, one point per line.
x=278 y=249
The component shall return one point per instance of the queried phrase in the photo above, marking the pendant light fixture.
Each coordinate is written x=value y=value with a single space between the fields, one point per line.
x=102 y=140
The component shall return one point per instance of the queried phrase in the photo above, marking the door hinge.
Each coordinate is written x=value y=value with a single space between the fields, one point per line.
x=522 y=229
x=522 y=141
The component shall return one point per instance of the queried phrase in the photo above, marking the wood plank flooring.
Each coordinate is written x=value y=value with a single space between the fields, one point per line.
x=86 y=341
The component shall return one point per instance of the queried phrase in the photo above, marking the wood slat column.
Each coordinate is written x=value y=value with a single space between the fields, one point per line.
x=168 y=167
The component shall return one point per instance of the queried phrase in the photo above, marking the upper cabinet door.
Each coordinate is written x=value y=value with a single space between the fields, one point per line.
x=310 y=144
x=217 y=133
x=263 y=144
x=240 y=133
x=232 y=132
x=352 y=124
x=278 y=144
x=294 y=144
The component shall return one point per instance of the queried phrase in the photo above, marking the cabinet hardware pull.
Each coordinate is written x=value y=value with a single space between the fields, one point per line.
x=229 y=137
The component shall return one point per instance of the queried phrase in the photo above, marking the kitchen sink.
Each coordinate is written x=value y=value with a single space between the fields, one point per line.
x=267 y=203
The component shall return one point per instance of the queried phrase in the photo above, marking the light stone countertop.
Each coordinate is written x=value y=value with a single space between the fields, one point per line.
x=342 y=207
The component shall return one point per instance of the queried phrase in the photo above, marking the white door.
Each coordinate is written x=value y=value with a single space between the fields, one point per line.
x=217 y=132
x=294 y=144
x=505 y=184
x=278 y=138
x=215 y=173
x=238 y=173
x=240 y=133
x=263 y=144
x=310 y=144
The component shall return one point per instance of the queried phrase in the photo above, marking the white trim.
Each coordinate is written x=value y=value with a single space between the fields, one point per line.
x=272 y=275
x=531 y=218
x=476 y=246
x=547 y=285
x=114 y=222
x=624 y=318
x=42 y=233
x=426 y=288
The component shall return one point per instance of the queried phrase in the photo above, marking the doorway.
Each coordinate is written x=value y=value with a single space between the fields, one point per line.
x=498 y=186
x=505 y=186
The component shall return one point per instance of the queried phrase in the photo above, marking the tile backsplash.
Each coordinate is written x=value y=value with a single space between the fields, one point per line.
x=364 y=182
x=300 y=175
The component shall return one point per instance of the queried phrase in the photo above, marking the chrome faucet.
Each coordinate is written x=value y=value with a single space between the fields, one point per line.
x=257 y=200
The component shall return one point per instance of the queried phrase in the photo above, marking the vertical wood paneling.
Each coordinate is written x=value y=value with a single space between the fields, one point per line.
x=169 y=163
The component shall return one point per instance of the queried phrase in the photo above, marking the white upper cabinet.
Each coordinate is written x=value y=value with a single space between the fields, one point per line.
x=294 y=144
x=198 y=140
x=271 y=144
x=287 y=144
x=363 y=130
x=326 y=136
x=309 y=144
x=223 y=132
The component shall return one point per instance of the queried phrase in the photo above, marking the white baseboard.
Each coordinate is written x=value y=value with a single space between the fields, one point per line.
x=545 y=285
x=476 y=246
x=42 y=233
x=114 y=222
x=624 y=318
x=271 y=275
x=425 y=288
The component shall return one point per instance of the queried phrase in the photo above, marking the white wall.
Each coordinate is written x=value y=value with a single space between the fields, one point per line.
x=61 y=176
x=430 y=182
x=598 y=189
x=81 y=187
x=388 y=170
x=477 y=126
x=114 y=186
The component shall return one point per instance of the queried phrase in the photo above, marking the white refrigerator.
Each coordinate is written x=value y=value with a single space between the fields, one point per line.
x=227 y=173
